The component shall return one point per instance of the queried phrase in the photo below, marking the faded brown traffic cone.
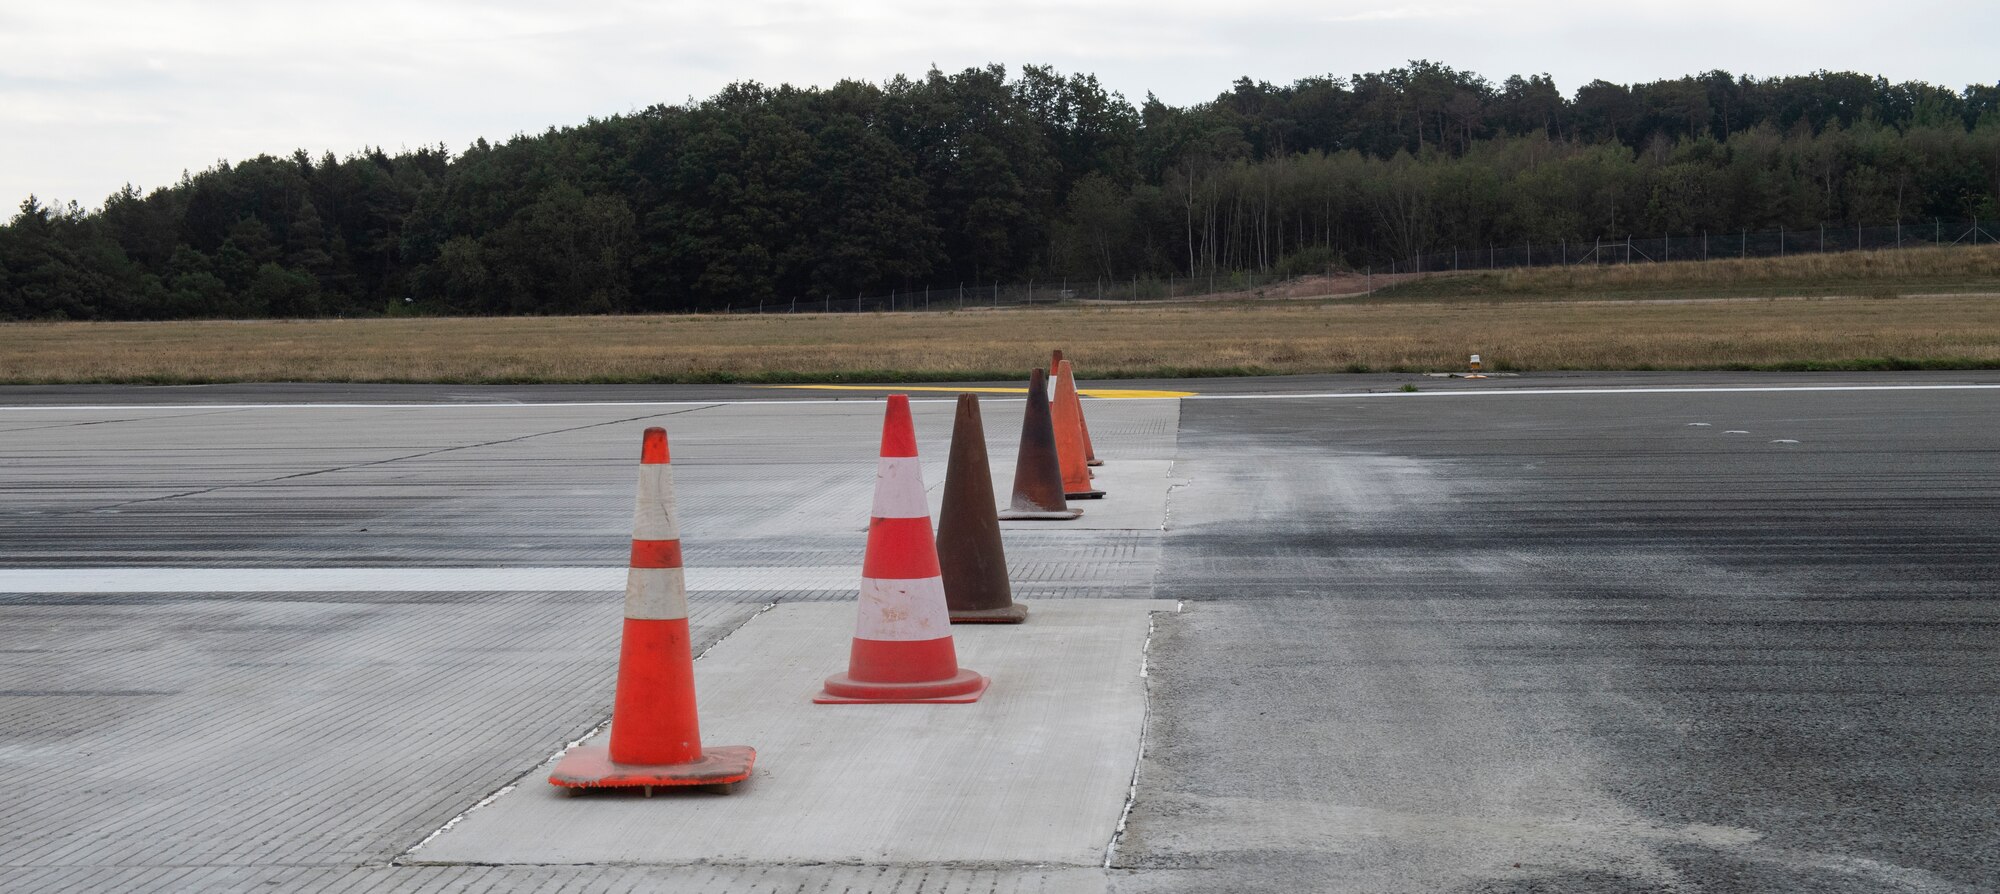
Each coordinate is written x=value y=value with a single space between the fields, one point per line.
x=1038 y=480
x=1069 y=439
x=968 y=535
x=1089 y=452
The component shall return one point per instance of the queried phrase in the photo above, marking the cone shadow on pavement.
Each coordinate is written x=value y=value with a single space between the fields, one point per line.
x=903 y=650
x=655 y=734
x=1038 y=479
x=970 y=554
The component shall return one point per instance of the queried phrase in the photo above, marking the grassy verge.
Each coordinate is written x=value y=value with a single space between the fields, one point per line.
x=1933 y=332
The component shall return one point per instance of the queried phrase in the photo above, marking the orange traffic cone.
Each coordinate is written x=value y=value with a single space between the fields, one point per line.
x=655 y=739
x=903 y=649
x=1089 y=452
x=1069 y=439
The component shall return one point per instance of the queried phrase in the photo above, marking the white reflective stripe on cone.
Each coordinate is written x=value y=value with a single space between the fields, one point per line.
x=902 y=610
x=653 y=519
x=899 y=488
x=656 y=594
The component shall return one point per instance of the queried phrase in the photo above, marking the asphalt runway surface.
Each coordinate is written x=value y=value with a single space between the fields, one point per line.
x=1640 y=632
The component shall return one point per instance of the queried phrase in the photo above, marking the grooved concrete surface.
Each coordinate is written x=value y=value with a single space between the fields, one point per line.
x=268 y=734
x=1574 y=642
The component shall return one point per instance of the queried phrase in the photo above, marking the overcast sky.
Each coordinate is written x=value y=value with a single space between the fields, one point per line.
x=98 y=93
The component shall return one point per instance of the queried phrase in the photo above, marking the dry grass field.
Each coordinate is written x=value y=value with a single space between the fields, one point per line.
x=1955 y=331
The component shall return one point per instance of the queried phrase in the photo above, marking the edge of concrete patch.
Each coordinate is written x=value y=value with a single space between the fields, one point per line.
x=1039 y=772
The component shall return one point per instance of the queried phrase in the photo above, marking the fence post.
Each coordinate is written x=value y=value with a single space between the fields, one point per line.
x=961 y=295
x=1822 y=237
x=927 y=297
x=1531 y=254
x=1704 y=245
x=1781 y=240
x=1667 y=254
x=1744 y=247
x=996 y=294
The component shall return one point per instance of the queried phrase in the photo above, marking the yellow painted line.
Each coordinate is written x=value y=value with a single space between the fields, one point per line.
x=1086 y=392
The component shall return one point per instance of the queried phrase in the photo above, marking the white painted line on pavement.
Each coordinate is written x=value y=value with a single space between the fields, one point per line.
x=408 y=580
x=1534 y=392
x=858 y=401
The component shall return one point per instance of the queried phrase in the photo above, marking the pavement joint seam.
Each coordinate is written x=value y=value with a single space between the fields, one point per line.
x=379 y=462
x=404 y=858
x=1145 y=727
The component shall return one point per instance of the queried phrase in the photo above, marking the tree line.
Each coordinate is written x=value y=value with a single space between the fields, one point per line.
x=774 y=193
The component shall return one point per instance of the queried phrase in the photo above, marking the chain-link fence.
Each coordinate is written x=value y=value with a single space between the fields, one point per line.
x=1703 y=246
x=1630 y=249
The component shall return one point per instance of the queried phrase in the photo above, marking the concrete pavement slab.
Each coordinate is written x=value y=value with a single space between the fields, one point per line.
x=1035 y=772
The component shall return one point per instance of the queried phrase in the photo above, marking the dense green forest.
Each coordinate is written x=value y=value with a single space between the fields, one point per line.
x=762 y=193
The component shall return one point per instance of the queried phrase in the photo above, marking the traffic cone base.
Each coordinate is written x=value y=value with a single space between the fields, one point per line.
x=962 y=688
x=1012 y=614
x=591 y=766
x=1039 y=515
